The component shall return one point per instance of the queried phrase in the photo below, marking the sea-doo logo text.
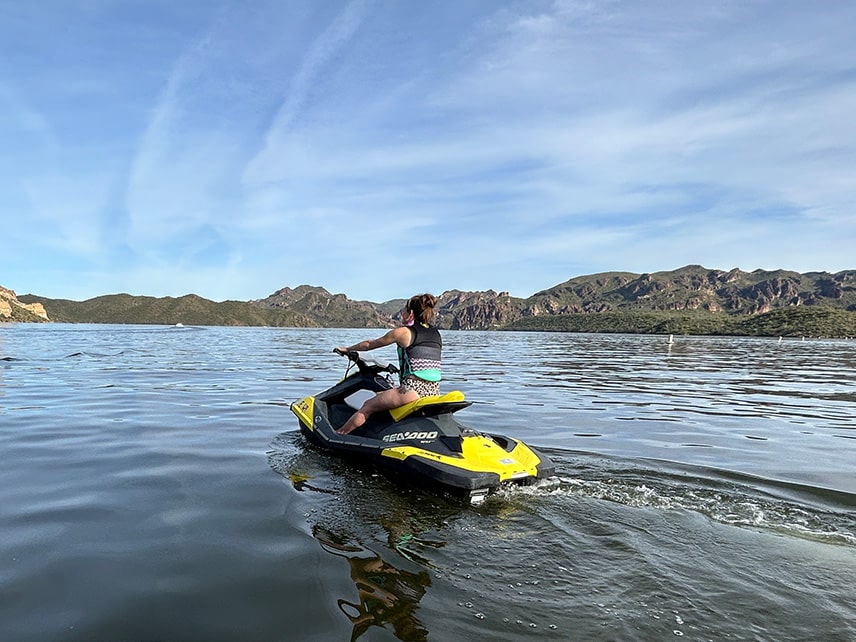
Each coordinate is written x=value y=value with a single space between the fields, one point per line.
x=401 y=436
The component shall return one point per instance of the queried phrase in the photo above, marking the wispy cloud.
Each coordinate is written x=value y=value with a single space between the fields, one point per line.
x=320 y=53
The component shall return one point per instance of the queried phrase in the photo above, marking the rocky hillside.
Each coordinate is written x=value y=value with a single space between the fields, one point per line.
x=696 y=300
x=327 y=310
x=478 y=310
x=11 y=309
x=457 y=310
x=697 y=288
x=691 y=289
x=692 y=299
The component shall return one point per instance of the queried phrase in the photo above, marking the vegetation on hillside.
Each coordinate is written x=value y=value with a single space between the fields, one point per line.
x=813 y=321
x=632 y=322
x=784 y=322
x=689 y=300
x=188 y=310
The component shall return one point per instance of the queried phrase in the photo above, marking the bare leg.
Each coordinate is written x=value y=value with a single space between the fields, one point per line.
x=385 y=400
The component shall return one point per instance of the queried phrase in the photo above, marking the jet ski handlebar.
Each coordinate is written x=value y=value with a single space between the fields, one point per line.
x=365 y=363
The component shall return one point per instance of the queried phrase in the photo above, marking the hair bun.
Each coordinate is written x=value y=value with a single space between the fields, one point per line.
x=422 y=306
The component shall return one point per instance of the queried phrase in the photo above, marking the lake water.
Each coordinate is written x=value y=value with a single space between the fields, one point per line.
x=154 y=486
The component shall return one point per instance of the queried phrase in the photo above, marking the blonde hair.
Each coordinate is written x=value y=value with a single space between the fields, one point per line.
x=422 y=307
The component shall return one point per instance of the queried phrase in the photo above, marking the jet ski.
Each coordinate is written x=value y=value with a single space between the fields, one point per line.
x=421 y=442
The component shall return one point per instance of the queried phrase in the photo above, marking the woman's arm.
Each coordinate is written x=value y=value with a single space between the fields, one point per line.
x=400 y=335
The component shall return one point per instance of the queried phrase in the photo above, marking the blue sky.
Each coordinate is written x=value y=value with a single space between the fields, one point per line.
x=383 y=148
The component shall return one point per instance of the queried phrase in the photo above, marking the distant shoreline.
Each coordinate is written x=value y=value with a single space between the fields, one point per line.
x=785 y=323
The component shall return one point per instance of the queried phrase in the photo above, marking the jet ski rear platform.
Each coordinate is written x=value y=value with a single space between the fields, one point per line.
x=421 y=442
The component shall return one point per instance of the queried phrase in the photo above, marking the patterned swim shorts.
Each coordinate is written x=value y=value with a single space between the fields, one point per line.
x=420 y=386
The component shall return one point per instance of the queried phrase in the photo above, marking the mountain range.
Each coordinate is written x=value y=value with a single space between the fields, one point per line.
x=689 y=300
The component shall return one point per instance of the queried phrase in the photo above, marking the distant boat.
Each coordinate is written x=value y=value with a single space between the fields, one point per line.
x=179 y=325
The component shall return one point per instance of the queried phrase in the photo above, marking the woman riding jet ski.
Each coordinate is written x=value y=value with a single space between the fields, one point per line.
x=421 y=441
x=409 y=428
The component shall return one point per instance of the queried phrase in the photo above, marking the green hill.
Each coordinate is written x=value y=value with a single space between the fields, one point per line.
x=785 y=322
x=189 y=310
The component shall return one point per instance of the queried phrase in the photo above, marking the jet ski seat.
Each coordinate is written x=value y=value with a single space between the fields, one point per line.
x=453 y=401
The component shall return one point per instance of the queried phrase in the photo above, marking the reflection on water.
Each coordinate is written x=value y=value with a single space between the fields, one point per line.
x=387 y=592
x=388 y=596
x=386 y=533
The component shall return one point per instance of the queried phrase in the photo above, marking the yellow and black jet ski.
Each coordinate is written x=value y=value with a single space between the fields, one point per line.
x=422 y=442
